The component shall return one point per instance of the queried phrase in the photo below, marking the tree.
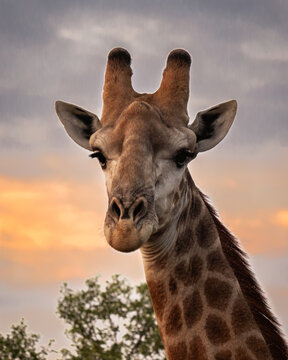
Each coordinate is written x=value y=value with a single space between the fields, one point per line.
x=22 y=346
x=116 y=323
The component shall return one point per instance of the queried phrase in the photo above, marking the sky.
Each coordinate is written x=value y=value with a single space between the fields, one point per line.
x=53 y=197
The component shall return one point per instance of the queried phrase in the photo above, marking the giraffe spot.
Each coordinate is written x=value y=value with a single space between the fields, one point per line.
x=180 y=271
x=197 y=205
x=206 y=232
x=241 y=354
x=223 y=355
x=172 y=286
x=218 y=293
x=158 y=296
x=258 y=347
x=174 y=321
x=217 y=330
x=217 y=263
x=183 y=242
x=197 y=350
x=192 y=308
x=178 y=351
x=241 y=318
x=194 y=270
x=184 y=239
x=189 y=274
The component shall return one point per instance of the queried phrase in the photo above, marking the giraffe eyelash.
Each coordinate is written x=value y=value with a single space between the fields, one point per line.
x=183 y=156
x=102 y=159
x=94 y=155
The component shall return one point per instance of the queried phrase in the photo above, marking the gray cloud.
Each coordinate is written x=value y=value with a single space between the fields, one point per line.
x=58 y=50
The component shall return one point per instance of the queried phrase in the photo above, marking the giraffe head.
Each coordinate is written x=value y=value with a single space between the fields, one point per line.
x=143 y=144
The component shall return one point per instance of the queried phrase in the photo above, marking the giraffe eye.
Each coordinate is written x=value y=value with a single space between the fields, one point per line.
x=182 y=157
x=101 y=158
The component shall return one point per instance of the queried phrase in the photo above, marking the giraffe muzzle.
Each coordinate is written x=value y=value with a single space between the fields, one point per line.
x=126 y=226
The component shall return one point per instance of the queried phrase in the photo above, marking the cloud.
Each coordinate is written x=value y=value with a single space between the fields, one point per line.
x=281 y=218
x=256 y=233
x=47 y=214
x=278 y=299
x=58 y=50
x=32 y=267
x=272 y=275
x=266 y=49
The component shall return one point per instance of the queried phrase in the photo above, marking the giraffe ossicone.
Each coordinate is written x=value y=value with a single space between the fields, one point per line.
x=207 y=302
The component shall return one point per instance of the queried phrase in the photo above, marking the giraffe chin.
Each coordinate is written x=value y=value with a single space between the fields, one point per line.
x=125 y=237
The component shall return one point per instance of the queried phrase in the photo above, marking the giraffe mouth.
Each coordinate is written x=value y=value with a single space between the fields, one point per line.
x=125 y=236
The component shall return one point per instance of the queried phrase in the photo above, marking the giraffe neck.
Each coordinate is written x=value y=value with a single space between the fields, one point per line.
x=199 y=305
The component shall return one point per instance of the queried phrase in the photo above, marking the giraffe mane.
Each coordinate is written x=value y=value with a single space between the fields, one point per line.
x=236 y=257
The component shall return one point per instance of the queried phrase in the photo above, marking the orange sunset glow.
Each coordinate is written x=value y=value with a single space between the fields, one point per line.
x=47 y=214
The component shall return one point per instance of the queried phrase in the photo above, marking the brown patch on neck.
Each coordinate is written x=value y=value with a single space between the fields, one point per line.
x=184 y=239
x=218 y=293
x=189 y=273
x=172 y=286
x=241 y=317
x=174 y=321
x=242 y=354
x=217 y=263
x=197 y=205
x=223 y=355
x=178 y=351
x=217 y=330
x=265 y=320
x=197 y=350
x=192 y=308
x=258 y=348
x=158 y=296
x=206 y=232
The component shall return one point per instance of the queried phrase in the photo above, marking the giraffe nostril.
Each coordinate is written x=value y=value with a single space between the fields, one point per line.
x=138 y=209
x=120 y=212
x=115 y=209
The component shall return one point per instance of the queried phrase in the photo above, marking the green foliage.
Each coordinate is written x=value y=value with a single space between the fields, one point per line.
x=22 y=346
x=116 y=323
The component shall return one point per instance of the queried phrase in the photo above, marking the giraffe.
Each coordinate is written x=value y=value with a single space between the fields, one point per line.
x=207 y=302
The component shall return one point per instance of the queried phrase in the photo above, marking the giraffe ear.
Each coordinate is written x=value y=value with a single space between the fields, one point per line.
x=80 y=124
x=212 y=125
